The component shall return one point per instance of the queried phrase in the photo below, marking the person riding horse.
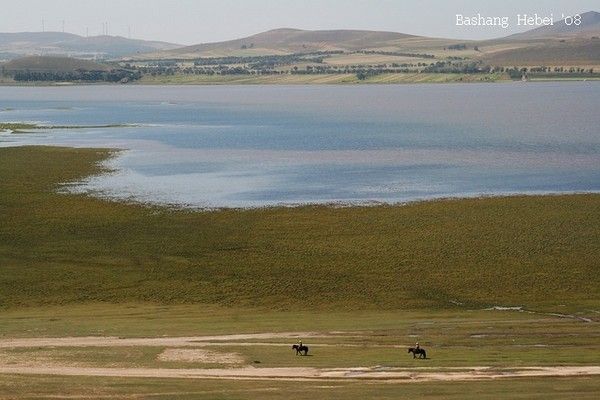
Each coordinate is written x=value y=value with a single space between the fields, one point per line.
x=300 y=348
x=417 y=350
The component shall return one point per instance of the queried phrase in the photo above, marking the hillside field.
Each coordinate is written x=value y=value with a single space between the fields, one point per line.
x=314 y=79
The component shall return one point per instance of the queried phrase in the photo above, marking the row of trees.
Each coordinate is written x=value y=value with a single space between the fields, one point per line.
x=307 y=70
x=461 y=67
x=79 y=75
x=399 y=54
x=292 y=64
x=272 y=60
x=519 y=72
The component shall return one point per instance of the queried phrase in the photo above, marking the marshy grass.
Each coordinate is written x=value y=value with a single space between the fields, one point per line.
x=540 y=252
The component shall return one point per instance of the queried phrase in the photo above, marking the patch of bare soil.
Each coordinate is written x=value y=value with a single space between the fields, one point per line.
x=396 y=375
x=193 y=349
x=112 y=341
x=201 y=356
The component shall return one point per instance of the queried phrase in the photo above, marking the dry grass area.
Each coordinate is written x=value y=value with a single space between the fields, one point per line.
x=371 y=59
x=200 y=356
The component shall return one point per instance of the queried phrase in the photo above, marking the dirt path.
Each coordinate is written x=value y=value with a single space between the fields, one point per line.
x=113 y=341
x=387 y=374
x=314 y=374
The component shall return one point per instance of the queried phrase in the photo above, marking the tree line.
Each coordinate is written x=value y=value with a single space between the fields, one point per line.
x=118 y=75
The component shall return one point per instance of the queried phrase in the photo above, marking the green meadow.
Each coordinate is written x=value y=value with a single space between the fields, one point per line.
x=373 y=339
x=535 y=252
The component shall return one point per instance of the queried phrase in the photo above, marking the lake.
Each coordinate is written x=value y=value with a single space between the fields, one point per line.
x=252 y=146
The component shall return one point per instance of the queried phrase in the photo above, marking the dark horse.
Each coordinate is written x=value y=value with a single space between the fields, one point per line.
x=421 y=352
x=300 y=349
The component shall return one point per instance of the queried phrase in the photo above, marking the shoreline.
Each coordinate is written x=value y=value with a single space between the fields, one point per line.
x=308 y=80
x=77 y=188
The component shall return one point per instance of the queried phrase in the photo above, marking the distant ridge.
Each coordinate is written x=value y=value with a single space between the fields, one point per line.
x=52 y=64
x=13 y=45
x=559 y=44
x=540 y=42
x=288 y=41
x=590 y=26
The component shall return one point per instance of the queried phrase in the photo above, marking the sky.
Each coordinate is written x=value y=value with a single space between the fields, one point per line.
x=191 y=22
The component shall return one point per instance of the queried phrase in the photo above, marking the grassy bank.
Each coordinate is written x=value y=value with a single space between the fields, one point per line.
x=313 y=79
x=537 y=252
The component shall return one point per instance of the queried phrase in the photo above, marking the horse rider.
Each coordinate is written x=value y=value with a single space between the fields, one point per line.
x=417 y=346
x=300 y=343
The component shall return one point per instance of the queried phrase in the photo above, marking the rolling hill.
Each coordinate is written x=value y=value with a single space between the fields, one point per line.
x=295 y=41
x=13 y=45
x=289 y=41
x=63 y=69
x=590 y=26
x=52 y=64
x=559 y=44
x=574 y=52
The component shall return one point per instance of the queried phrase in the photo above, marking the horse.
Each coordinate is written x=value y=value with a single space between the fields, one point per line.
x=421 y=352
x=300 y=349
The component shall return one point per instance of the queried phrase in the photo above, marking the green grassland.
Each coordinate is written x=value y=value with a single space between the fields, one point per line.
x=453 y=338
x=536 y=252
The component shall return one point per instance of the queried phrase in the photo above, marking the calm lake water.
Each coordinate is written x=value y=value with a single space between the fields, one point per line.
x=246 y=146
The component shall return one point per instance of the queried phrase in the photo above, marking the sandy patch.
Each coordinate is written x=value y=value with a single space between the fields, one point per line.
x=200 y=355
x=395 y=375
x=112 y=341
x=194 y=349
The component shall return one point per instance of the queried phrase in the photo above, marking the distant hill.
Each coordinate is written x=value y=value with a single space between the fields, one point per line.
x=590 y=26
x=577 y=52
x=52 y=64
x=14 y=45
x=64 y=69
x=288 y=41
x=559 y=44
